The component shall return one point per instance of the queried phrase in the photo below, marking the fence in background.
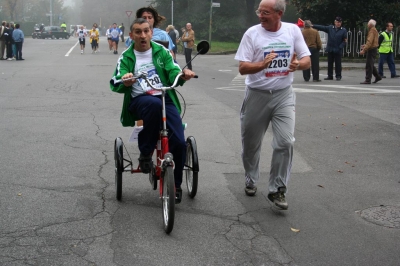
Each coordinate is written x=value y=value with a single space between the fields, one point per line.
x=356 y=38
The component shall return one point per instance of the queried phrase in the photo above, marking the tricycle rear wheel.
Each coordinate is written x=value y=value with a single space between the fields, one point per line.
x=191 y=167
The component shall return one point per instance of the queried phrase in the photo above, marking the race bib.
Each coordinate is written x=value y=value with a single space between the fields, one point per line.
x=279 y=67
x=154 y=80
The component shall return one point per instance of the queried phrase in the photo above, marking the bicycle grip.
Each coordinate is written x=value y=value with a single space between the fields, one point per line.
x=195 y=76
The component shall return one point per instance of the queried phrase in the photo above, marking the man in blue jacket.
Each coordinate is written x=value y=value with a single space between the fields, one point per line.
x=337 y=38
x=18 y=37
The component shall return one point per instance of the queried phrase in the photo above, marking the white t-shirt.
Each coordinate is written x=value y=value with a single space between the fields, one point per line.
x=144 y=63
x=82 y=33
x=258 y=42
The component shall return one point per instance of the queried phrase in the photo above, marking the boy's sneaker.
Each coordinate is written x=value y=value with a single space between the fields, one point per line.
x=250 y=191
x=278 y=198
x=178 y=195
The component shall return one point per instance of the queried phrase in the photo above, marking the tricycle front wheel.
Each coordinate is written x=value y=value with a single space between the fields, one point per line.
x=168 y=199
x=119 y=166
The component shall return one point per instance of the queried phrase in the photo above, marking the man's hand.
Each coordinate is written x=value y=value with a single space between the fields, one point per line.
x=187 y=74
x=294 y=64
x=127 y=81
x=268 y=58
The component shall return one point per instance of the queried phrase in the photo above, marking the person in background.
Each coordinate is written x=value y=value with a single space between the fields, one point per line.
x=150 y=14
x=18 y=36
x=63 y=26
x=269 y=96
x=3 y=37
x=115 y=33
x=386 y=55
x=371 y=50
x=122 y=28
x=108 y=34
x=188 y=38
x=171 y=33
x=94 y=38
x=82 y=33
x=14 y=49
x=98 y=38
x=9 y=41
x=313 y=41
x=337 y=38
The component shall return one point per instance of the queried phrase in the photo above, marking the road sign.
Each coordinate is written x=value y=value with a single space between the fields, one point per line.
x=216 y=4
x=128 y=13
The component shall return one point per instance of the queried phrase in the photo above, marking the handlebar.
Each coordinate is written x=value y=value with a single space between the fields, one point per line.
x=143 y=75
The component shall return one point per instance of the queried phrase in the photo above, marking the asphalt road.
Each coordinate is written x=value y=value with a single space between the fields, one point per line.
x=59 y=121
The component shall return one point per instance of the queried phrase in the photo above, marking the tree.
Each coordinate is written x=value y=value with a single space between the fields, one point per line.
x=354 y=13
x=31 y=10
x=229 y=22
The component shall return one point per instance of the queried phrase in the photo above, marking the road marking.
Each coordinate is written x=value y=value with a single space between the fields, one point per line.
x=72 y=48
x=238 y=84
x=224 y=70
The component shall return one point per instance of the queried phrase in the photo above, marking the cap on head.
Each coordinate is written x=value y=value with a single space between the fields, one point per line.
x=338 y=19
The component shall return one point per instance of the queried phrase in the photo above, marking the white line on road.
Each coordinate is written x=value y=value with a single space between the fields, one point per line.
x=72 y=48
x=308 y=90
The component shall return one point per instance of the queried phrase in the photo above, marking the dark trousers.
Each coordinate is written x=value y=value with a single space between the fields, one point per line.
x=18 y=45
x=9 y=49
x=188 y=57
x=389 y=58
x=149 y=109
x=2 y=48
x=370 y=69
x=314 y=65
x=337 y=59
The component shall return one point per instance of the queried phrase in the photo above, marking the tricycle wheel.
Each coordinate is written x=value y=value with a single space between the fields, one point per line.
x=191 y=167
x=168 y=199
x=119 y=166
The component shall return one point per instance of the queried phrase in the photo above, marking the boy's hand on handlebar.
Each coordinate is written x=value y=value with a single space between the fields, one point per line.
x=127 y=80
x=187 y=74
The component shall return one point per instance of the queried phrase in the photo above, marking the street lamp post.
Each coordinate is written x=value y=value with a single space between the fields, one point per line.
x=209 y=34
x=172 y=13
x=51 y=12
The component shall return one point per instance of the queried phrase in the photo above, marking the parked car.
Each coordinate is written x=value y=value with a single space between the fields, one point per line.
x=54 y=32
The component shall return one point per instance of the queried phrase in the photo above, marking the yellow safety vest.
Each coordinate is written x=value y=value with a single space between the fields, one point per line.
x=386 y=45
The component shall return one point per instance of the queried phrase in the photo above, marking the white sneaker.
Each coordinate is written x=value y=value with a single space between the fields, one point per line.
x=81 y=51
x=9 y=59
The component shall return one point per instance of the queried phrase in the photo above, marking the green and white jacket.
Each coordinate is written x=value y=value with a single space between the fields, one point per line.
x=166 y=68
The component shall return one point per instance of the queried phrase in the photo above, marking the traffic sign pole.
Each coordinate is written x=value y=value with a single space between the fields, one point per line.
x=129 y=13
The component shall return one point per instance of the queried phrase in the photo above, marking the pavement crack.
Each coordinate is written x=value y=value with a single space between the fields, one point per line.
x=102 y=165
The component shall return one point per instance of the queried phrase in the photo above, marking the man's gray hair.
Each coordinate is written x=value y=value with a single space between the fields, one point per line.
x=139 y=21
x=373 y=22
x=280 y=5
